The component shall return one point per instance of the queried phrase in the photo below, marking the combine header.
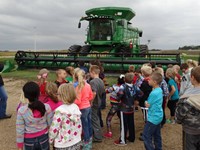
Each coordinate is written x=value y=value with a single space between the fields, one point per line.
x=110 y=38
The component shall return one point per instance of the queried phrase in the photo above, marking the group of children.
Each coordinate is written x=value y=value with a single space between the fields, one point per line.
x=67 y=113
x=64 y=113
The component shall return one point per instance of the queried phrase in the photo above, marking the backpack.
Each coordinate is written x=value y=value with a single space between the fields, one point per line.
x=128 y=99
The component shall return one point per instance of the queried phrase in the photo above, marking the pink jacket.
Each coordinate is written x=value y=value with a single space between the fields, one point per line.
x=84 y=96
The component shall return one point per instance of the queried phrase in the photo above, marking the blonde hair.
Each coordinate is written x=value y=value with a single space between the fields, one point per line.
x=170 y=72
x=79 y=75
x=146 y=70
x=191 y=63
x=51 y=90
x=59 y=71
x=67 y=93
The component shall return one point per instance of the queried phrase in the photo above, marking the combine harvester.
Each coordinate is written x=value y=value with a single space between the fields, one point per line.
x=111 y=39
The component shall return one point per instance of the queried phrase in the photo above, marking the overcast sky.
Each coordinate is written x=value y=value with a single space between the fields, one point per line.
x=167 y=23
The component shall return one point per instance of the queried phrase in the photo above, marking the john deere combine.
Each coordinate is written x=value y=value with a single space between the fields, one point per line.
x=111 y=38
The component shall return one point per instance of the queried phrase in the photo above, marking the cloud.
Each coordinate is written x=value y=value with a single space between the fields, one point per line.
x=168 y=24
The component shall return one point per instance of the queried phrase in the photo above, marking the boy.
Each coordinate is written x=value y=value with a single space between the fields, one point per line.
x=61 y=75
x=165 y=90
x=97 y=86
x=155 y=114
x=185 y=80
x=128 y=94
x=188 y=113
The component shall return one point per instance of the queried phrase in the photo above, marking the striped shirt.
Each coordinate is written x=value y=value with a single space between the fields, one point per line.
x=30 y=124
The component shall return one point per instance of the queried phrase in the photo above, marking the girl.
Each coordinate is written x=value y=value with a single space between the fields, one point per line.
x=52 y=99
x=114 y=101
x=84 y=97
x=173 y=93
x=191 y=64
x=42 y=81
x=33 y=120
x=70 y=73
x=66 y=128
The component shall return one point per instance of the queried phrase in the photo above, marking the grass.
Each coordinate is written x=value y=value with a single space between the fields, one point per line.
x=5 y=53
x=31 y=75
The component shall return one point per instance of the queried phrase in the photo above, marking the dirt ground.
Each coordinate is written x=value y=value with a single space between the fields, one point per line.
x=171 y=134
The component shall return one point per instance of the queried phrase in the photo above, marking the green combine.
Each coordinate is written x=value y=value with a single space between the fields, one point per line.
x=111 y=39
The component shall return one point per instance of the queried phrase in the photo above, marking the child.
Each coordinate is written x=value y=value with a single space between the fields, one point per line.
x=52 y=99
x=3 y=98
x=128 y=94
x=33 y=120
x=187 y=113
x=84 y=97
x=177 y=76
x=164 y=87
x=145 y=87
x=70 y=72
x=185 y=80
x=146 y=71
x=61 y=75
x=66 y=128
x=155 y=114
x=173 y=93
x=97 y=86
x=139 y=77
x=114 y=101
x=42 y=81
x=191 y=64
x=81 y=65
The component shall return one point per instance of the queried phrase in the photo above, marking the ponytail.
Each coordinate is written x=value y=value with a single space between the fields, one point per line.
x=79 y=76
x=31 y=92
x=37 y=105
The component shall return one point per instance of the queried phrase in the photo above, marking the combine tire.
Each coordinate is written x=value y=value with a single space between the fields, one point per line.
x=84 y=51
x=74 y=49
x=19 y=57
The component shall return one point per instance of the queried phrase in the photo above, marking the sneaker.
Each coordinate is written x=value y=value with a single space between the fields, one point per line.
x=118 y=143
x=173 y=122
x=108 y=135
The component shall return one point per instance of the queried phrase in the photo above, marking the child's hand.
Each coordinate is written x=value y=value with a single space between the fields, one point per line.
x=147 y=104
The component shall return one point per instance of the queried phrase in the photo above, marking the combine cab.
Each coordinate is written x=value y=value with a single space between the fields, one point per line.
x=111 y=38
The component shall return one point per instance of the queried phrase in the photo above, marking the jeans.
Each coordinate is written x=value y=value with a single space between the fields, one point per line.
x=86 y=123
x=3 y=101
x=37 y=143
x=151 y=132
